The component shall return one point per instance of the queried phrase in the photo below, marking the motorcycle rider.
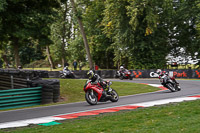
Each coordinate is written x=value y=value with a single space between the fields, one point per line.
x=67 y=72
x=122 y=70
x=161 y=73
x=95 y=78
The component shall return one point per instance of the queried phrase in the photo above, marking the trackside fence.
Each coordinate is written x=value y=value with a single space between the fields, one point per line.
x=14 y=98
x=22 y=88
x=151 y=73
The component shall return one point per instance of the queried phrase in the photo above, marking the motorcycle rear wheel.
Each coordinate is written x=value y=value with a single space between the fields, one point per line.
x=90 y=97
x=114 y=96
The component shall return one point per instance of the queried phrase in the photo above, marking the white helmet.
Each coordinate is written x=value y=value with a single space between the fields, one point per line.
x=159 y=71
x=121 y=67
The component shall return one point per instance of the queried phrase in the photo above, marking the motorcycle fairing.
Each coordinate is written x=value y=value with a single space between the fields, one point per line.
x=96 y=88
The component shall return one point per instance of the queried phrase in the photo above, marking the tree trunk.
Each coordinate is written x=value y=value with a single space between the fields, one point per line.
x=63 y=54
x=16 y=53
x=4 y=57
x=50 y=58
x=83 y=34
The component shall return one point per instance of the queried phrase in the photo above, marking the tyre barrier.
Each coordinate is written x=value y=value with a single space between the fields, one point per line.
x=50 y=90
x=33 y=74
x=177 y=73
x=27 y=74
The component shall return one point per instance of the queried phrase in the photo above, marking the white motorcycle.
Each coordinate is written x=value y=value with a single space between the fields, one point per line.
x=66 y=74
x=169 y=83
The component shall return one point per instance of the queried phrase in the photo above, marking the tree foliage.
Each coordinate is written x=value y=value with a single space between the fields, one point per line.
x=26 y=20
x=61 y=33
x=136 y=33
x=100 y=45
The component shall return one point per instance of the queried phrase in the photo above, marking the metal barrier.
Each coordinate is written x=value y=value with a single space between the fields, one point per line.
x=12 y=82
x=14 y=98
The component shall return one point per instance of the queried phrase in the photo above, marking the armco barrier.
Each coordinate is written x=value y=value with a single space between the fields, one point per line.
x=14 y=98
x=18 y=88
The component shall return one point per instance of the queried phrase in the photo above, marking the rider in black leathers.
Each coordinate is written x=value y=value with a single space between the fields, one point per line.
x=95 y=78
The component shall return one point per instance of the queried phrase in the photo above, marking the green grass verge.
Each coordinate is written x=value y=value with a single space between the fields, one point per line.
x=72 y=90
x=171 y=118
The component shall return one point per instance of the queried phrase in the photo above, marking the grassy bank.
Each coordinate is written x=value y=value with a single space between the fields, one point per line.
x=72 y=90
x=172 y=118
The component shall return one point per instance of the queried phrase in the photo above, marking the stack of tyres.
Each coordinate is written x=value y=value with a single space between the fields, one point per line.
x=50 y=90
x=56 y=89
x=47 y=94
x=56 y=93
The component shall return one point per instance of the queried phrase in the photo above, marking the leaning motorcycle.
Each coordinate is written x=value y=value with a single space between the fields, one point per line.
x=95 y=93
x=125 y=75
x=66 y=74
x=170 y=84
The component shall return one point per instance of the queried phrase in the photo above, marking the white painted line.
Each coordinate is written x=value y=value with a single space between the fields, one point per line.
x=13 y=124
x=39 y=120
x=165 y=101
x=155 y=85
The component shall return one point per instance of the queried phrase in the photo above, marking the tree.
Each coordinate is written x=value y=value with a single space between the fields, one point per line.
x=62 y=32
x=32 y=51
x=3 y=54
x=101 y=50
x=50 y=58
x=145 y=31
x=149 y=21
x=83 y=34
x=117 y=28
x=23 y=21
x=188 y=27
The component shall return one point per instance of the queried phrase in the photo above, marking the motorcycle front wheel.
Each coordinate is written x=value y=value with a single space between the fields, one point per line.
x=90 y=97
x=171 y=87
x=62 y=76
x=114 y=96
x=121 y=77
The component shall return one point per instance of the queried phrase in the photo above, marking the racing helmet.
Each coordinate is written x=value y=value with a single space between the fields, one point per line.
x=66 y=68
x=90 y=74
x=159 y=71
x=121 y=67
x=166 y=73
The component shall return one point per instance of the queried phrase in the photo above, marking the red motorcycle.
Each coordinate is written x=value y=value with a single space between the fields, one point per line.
x=95 y=93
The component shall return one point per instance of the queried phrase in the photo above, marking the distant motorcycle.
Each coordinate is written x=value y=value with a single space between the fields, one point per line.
x=66 y=74
x=169 y=83
x=95 y=93
x=124 y=75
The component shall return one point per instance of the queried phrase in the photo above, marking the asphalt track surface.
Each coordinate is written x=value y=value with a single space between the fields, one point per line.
x=189 y=87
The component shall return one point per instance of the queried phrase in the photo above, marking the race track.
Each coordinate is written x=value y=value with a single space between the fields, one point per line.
x=189 y=87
